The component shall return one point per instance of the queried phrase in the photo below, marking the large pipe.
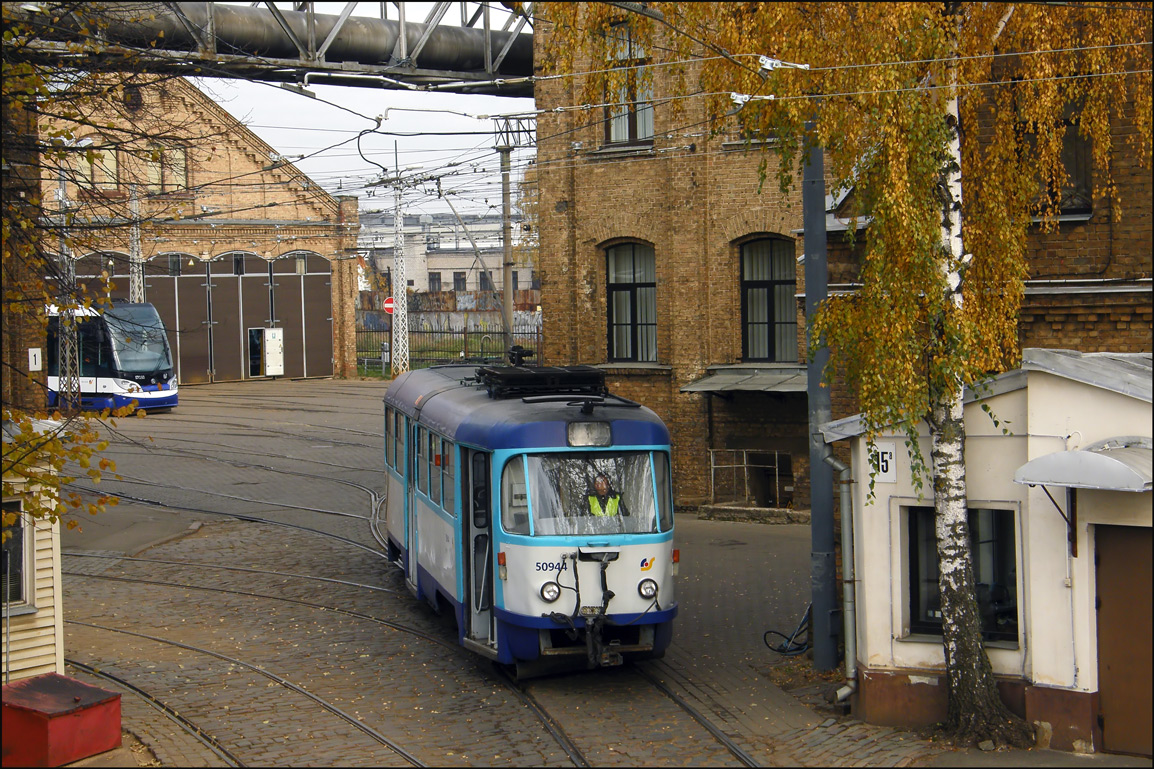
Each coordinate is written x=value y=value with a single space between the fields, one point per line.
x=241 y=30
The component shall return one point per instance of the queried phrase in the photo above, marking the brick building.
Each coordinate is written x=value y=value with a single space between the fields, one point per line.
x=231 y=235
x=665 y=261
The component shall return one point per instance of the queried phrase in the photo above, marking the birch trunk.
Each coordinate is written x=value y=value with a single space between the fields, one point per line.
x=976 y=711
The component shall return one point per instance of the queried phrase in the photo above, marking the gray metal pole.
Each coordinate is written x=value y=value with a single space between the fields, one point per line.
x=823 y=569
x=68 y=352
x=135 y=258
x=507 y=237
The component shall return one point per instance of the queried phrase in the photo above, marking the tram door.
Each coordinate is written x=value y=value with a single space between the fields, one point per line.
x=479 y=524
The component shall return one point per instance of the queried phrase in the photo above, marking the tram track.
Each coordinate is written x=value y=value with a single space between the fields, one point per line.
x=277 y=679
x=520 y=690
x=550 y=724
x=184 y=723
x=241 y=517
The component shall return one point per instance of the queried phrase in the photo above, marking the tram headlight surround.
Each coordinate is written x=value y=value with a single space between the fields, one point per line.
x=128 y=386
x=647 y=589
x=550 y=592
x=590 y=434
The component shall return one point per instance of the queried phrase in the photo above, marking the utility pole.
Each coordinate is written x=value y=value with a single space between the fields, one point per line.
x=823 y=568
x=511 y=131
x=507 y=241
x=400 y=351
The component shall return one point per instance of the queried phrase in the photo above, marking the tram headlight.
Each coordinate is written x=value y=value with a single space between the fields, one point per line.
x=647 y=589
x=128 y=387
x=550 y=592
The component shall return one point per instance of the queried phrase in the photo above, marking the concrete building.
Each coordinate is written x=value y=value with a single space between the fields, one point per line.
x=233 y=238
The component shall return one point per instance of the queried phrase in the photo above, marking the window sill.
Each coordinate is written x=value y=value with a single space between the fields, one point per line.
x=1084 y=217
x=622 y=150
x=735 y=145
x=925 y=638
x=17 y=611
x=635 y=369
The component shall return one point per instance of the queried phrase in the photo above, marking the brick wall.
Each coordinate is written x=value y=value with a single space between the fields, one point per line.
x=695 y=200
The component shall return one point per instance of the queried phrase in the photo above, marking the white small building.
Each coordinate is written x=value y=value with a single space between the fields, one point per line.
x=1059 y=485
x=33 y=622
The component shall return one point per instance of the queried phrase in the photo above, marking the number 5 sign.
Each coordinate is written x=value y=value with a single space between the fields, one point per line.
x=884 y=453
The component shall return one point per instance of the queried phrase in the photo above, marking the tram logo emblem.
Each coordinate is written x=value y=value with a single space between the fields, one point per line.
x=647 y=563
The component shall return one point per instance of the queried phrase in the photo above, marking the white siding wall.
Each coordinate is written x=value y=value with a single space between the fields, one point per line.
x=37 y=637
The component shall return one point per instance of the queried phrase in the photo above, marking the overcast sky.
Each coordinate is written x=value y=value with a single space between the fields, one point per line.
x=325 y=134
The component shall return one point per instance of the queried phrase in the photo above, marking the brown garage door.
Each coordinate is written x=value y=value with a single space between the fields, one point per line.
x=1122 y=559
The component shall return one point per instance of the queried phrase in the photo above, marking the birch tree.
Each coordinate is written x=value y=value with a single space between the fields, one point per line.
x=898 y=92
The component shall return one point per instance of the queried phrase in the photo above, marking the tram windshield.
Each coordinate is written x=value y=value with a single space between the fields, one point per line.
x=139 y=343
x=587 y=494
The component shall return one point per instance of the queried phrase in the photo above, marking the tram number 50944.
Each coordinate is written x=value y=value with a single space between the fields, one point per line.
x=550 y=566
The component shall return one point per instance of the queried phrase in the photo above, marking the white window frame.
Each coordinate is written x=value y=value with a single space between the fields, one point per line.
x=900 y=565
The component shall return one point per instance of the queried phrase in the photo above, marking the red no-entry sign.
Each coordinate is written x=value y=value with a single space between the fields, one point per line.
x=389 y=305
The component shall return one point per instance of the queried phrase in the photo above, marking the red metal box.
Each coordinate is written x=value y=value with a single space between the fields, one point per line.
x=52 y=720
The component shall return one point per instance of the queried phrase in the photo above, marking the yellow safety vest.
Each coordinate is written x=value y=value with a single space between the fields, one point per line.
x=610 y=505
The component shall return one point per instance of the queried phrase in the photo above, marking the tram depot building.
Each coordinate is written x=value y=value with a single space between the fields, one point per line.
x=662 y=263
x=234 y=238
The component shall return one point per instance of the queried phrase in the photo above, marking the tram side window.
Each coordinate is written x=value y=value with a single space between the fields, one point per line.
x=399 y=441
x=422 y=460
x=448 y=450
x=661 y=480
x=435 y=468
x=390 y=416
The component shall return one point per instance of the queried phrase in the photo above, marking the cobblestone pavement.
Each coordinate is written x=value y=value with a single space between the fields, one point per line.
x=309 y=454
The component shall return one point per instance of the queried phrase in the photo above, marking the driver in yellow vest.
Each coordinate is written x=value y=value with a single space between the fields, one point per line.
x=605 y=501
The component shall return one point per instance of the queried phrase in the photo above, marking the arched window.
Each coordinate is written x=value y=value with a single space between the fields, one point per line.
x=632 y=284
x=768 y=307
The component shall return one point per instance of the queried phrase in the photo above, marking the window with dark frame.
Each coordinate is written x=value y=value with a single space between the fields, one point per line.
x=434 y=281
x=631 y=270
x=1074 y=195
x=486 y=280
x=629 y=116
x=459 y=283
x=768 y=307
x=994 y=551
x=13 y=570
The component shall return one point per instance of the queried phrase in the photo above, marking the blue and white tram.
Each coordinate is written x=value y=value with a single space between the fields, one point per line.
x=492 y=509
x=124 y=357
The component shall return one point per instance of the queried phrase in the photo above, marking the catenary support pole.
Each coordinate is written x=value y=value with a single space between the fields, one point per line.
x=823 y=585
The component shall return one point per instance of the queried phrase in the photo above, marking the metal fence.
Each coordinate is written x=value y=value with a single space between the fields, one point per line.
x=429 y=348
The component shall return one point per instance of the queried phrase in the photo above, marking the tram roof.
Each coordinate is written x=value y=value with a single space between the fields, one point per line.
x=451 y=401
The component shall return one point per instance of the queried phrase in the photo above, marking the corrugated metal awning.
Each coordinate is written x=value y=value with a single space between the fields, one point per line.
x=1116 y=464
x=729 y=378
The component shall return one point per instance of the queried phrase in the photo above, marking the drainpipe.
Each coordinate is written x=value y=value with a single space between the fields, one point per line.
x=848 y=610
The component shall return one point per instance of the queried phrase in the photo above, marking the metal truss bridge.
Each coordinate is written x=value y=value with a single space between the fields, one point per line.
x=300 y=46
